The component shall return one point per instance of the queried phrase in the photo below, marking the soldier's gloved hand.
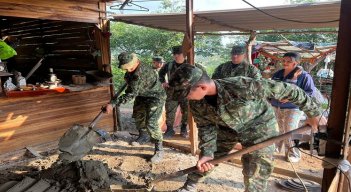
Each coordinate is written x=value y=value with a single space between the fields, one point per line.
x=202 y=164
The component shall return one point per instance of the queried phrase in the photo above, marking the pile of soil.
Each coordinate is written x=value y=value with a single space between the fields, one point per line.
x=86 y=175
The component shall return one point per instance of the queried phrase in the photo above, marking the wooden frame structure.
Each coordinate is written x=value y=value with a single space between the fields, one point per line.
x=71 y=32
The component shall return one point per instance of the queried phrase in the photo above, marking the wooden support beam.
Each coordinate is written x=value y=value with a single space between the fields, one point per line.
x=250 y=42
x=340 y=93
x=102 y=33
x=344 y=184
x=266 y=33
x=193 y=136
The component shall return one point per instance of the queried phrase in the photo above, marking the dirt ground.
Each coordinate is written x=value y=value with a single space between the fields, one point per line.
x=129 y=165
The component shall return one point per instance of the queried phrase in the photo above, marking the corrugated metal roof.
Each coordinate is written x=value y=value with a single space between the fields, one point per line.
x=276 y=49
x=244 y=19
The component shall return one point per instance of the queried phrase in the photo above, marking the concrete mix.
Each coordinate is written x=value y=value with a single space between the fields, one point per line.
x=79 y=176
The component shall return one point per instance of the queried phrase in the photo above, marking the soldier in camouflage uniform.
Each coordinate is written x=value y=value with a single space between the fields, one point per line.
x=172 y=105
x=237 y=66
x=236 y=107
x=145 y=88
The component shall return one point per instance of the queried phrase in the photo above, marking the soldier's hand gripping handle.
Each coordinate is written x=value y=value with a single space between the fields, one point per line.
x=109 y=106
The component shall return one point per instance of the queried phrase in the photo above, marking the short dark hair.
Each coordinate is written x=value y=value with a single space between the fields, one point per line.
x=294 y=55
x=204 y=79
x=177 y=49
x=238 y=50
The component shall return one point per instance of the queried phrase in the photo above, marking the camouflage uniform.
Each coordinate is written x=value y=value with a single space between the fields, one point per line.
x=229 y=69
x=240 y=110
x=171 y=105
x=143 y=85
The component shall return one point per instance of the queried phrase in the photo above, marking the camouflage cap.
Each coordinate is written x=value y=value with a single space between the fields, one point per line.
x=238 y=50
x=183 y=79
x=127 y=59
x=177 y=49
x=158 y=58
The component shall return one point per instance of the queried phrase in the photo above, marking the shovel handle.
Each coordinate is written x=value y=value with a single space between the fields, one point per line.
x=230 y=156
x=96 y=119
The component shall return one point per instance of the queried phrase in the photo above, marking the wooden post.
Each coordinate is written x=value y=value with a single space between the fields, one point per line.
x=343 y=183
x=250 y=42
x=190 y=33
x=340 y=93
x=103 y=44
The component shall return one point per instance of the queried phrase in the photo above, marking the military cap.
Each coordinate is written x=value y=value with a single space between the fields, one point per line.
x=177 y=49
x=183 y=79
x=127 y=59
x=158 y=58
x=238 y=50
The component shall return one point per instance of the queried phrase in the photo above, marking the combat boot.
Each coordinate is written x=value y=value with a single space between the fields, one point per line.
x=158 y=155
x=183 y=131
x=143 y=138
x=189 y=186
x=169 y=132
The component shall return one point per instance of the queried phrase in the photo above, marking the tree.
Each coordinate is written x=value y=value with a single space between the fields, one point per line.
x=143 y=41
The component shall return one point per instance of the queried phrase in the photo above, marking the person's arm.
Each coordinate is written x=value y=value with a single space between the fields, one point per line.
x=132 y=90
x=217 y=72
x=162 y=73
x=308 y=84
x=207 y=131
x=280 y=91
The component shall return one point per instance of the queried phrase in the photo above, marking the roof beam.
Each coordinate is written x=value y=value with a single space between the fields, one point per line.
x=267 y=33
x=222 y=24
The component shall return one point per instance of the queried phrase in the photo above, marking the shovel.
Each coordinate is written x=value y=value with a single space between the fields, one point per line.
x=151 y=183
x=79 y=140
x=98 y=117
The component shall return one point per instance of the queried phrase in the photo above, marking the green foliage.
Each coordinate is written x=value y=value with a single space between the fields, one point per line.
x=143 y=41
x=208 y=46
x=172 y=6
x=118 y=75
x=146 y=42
x=211 y=62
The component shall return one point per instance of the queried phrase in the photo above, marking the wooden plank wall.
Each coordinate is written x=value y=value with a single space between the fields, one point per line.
x=65 y=10
x=67 y=45
x=35 y=120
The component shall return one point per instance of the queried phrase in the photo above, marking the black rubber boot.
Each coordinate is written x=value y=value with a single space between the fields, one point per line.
x=169 y=132
x=184 y=131
x=189 y=186
x=143 y=138
x=158 y=155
